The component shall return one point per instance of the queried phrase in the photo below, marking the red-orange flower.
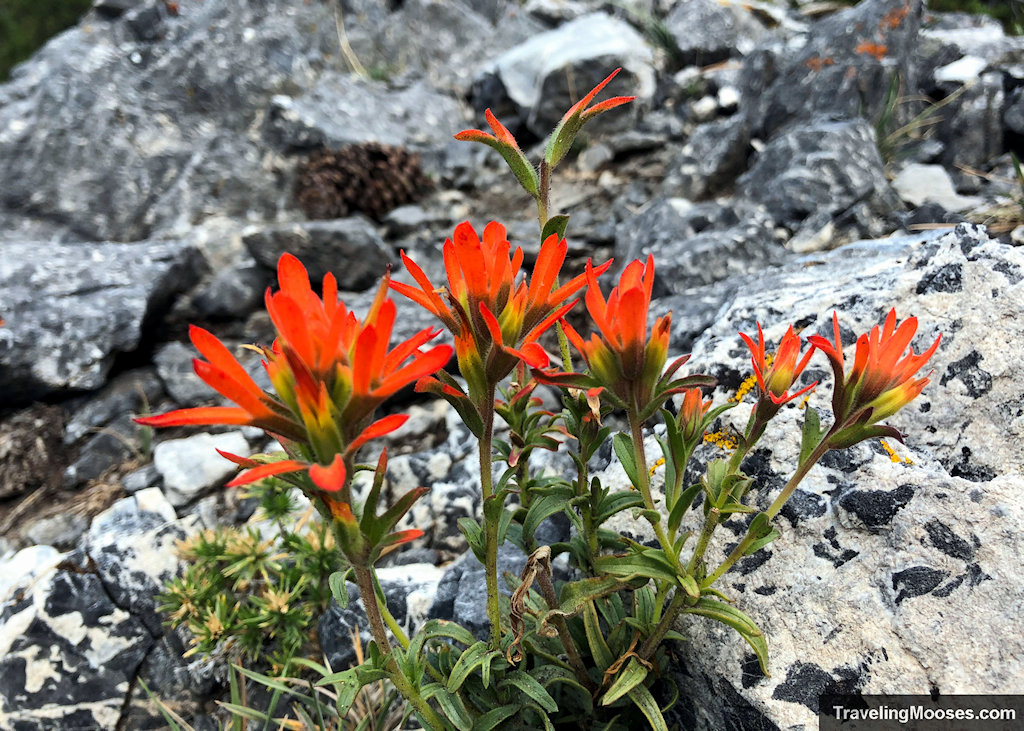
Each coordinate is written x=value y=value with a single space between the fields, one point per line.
x=692 y=412
x=776 y=377
x=881 y=381
x=621 y=357
x=330 y=372
x=495 y=320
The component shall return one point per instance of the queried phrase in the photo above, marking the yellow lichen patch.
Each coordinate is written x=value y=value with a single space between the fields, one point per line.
x=720 y=439
x=657 y=463
x=892 y=454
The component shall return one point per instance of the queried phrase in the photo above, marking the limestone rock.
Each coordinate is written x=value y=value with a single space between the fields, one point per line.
x=191 y=465
x=70 y=313
x=530 y=80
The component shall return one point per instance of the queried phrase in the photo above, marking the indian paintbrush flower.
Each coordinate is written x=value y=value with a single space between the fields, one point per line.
x=495 y=320
x=621 y=358
x=881 y=381
x=776 y=375
x=330 y=372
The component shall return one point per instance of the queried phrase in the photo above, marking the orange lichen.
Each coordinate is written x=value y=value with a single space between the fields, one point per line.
x=817 y=63
x=870 y=48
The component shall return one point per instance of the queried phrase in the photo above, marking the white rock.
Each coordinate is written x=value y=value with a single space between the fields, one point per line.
x=27 y=563
x=191 y=465
x=918 y=184
x=962 y=70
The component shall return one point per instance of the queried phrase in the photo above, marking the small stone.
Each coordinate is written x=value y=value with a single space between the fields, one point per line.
x=61 y=531
x=174 y=364
x=140 y=479
x=918 y=184
x=190 y=466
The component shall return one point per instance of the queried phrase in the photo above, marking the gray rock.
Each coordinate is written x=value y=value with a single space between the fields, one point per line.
x=140 y=479
x=111 y=445
x=67 y=651
x=234 y=292
x=132 y=545
x=351 y=248
x=127 y=393
x=190 y=466
x=844 y=69
x=186 y=688
x=698 y=244
x=714 y=155
x=462 y=593
x=824 y=166
x=918 y=184
x=174 y=365
x=175 y=117
x=875 y=555
x=706 y=32
x=343 y=109
x=971 y=127
x=71 y=312
x=532 y=79
x=62 y=531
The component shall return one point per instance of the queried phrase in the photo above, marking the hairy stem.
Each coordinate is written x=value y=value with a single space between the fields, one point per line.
x=650 y=645
x=490 y=526
x=365 y=582
x=636 y=429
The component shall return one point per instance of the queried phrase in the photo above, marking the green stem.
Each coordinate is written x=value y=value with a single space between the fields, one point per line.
x=710 y=523
x=636 y=430
x=389 y=619
x=543 y=195
x=365 y=582
x=650 y=645
x=773 y=509
x=490 y=526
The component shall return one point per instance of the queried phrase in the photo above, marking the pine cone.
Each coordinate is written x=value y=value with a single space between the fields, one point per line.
x=368 y=178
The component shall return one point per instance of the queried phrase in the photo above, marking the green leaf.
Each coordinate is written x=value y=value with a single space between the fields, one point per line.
x=474 y=536
x=616 y=502
x=634 y=565
x=472 y=657
x=493 y=718
x=575 y=594
x=730 y=615
x=599 y=649
x=554 y=226
x=628 y=679
x=690 y=586
x=812 y=433
x=339 y=590
x=681 y=506
x=623 y=446
x=451 y=705
x=643 y=700
x=762 y=531
x=541 y=509
x=529 y=685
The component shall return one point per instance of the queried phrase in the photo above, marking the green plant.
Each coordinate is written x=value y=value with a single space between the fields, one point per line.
x=252 y=593
x=896 y=137
x=584 y=652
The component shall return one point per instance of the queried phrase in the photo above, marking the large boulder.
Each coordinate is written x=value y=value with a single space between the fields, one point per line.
x=536 y=81
x=70 y=313
x=824 y=168
x=844 y=69
x=879 y=553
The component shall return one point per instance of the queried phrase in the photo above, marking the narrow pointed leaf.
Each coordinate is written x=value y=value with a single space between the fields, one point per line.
x=533 y=689
x=628 y=679
x=643 y=700
x=624 y=450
